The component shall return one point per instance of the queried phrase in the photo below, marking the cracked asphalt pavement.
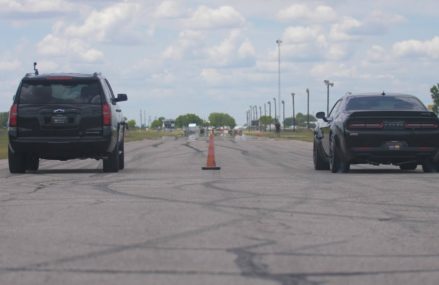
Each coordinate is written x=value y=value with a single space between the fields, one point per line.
x=267 y=217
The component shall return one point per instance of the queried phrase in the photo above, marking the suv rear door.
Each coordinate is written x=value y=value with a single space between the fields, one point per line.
x=59 y=107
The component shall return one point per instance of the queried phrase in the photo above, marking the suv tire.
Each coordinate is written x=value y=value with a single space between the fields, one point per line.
x=111 y=164
x=122 y=155
x=32 y=162
x=17 y=162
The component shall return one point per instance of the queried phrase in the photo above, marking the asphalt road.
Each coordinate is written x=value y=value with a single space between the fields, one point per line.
x=265 y=218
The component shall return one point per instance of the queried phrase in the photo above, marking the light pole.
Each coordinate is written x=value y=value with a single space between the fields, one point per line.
x=256 y=111
x=283 y=114
x=265 y=109
x=294 y=113
x=269 y=113
x=275 y=111
x=278 y=42
x=328 y=83
x=307 y=107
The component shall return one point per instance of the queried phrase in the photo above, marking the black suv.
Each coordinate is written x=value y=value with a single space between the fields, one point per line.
x=65 y=116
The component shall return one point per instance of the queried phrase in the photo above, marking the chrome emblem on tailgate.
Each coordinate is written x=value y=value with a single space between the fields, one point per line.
x=57 y=111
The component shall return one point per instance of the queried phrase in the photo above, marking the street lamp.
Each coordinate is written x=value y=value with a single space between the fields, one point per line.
x=269 y=113
x=275 y=111
x=307 y=107
x=327 y=96
x=283 y=114
x=278 y=42
x=294 y=113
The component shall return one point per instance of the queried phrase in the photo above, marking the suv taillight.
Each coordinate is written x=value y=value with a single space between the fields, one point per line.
x=13 y=116
x=106 y=114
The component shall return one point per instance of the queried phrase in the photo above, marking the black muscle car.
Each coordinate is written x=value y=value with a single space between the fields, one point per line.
x=377 y=129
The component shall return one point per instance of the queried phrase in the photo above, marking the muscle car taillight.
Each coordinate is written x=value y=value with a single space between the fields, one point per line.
x=421 y=125
x=364 y=125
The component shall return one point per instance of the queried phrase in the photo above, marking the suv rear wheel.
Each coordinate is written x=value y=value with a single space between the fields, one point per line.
x=122 y=155
x=32 y=162
x=17 y=162
x=111 y=164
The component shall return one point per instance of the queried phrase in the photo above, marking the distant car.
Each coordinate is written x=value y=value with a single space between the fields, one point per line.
x=377 y=129
x=65 y=116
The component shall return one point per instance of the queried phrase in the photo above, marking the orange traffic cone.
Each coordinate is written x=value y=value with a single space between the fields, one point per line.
x=211 y=165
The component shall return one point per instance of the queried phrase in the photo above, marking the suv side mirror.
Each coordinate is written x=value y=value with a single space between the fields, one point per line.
x=121 y=97
x=321 y=115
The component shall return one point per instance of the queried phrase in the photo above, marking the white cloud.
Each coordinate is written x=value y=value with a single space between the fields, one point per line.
x=26 y=7
x=300 y=35
x=343 y=30
x=232 y=51
x=377 y=53
x=169 y=9
x=187 y=41
x=416 y=48
x=9 y=64
x=223 y=17
x=246 y=50
x=332 y=70
x=53 y=45
x=211 y=76
x=101 y=25
x=300 y=12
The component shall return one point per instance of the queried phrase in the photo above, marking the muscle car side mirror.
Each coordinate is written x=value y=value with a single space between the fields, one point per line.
x=321 y=115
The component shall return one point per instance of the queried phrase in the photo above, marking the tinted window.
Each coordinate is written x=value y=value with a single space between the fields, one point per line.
x=334 y=109
x=60 y=92
x=385 y=103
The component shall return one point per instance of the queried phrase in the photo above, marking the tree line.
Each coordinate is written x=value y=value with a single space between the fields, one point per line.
x=182 y=121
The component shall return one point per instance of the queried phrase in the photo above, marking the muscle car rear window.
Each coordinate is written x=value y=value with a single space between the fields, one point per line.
x=384 y=103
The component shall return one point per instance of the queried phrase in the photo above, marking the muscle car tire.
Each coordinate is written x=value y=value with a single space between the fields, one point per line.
x=319 y=162
x=408 y=166
x=337 y=163
x=430 y=166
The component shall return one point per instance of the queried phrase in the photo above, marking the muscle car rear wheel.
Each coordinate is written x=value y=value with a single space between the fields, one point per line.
x=430 y=166
x=337 y=162
x=319 y=162
x=408 y=166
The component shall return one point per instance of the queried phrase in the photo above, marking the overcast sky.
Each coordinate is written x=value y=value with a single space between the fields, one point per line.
x=178 y=57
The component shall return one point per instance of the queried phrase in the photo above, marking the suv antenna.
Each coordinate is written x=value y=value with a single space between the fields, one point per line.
x=384 y=93
x=35 y=68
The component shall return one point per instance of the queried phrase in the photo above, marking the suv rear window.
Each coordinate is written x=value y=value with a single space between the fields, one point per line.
x=60 y=92
x=385 y=103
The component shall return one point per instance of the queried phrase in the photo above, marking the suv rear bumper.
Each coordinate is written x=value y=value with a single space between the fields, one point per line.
x=62 y=148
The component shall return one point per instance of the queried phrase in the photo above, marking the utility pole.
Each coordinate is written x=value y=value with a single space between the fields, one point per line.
x=269 y=113
x=307 y=107
x=294 y=113
x=328 y=84
x=283 y=114
x=278 y=42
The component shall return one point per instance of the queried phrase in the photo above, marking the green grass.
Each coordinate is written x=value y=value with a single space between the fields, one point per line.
x=3 y=143
x=300 y=134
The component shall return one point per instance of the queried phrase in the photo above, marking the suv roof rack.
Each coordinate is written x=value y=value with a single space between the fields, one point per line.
x=96 y=74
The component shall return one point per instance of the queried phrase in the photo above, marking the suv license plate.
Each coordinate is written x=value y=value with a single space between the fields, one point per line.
x=59 y=120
